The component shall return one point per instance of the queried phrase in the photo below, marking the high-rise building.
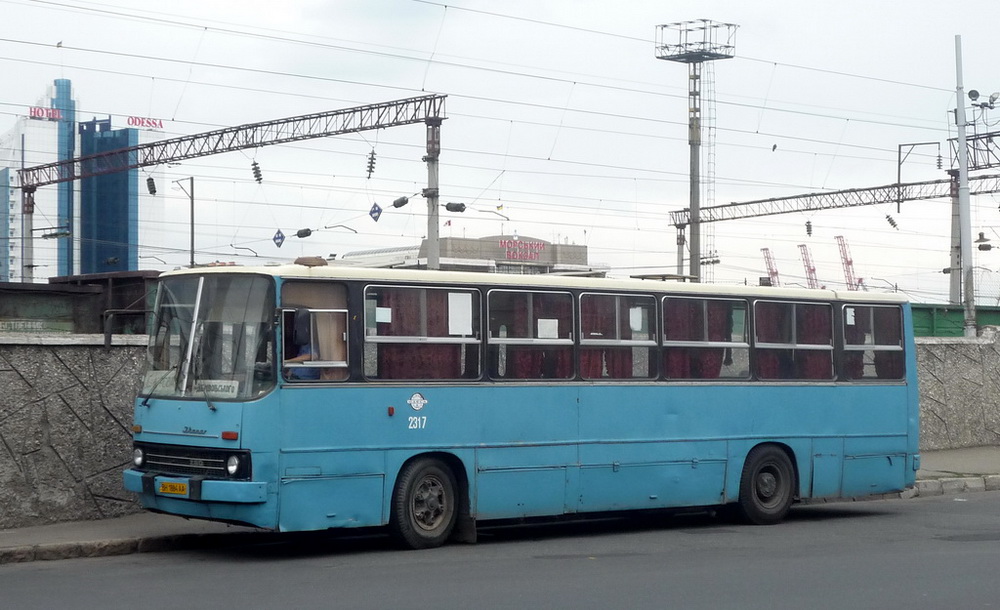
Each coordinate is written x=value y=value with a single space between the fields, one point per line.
x=85 y=226
x=109 y=212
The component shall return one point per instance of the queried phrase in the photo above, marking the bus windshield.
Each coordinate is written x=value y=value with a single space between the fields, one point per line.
x=212 y=338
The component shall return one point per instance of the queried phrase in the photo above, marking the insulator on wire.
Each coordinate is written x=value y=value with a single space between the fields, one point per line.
x=255 y=167
x=151 y=185
x=940 y=161
x=371 y=163
x=809 y=228
x=892 y=222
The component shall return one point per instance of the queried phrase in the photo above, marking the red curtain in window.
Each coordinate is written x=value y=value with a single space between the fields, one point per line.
x=681 y=322
x=599 y=321
x=438 y=361
x=619 y=362
x=393 y=360
x=710 y=359
x=417 y=361
x=542 y=362
x=769 y=319
x=888 y=331
x=814 y=328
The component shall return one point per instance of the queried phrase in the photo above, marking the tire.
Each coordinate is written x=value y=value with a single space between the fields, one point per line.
x=424 y=504
x=766 y=486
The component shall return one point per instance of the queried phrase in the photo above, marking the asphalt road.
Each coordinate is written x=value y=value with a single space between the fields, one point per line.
x=938 y=552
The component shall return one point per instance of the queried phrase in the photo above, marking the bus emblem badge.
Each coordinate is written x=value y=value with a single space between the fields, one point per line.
x=417 y=401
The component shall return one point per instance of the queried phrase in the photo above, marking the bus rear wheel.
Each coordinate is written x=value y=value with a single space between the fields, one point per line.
x=424 y=504
x=766 y=486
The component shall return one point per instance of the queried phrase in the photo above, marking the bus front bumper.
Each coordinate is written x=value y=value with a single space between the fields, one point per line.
x=195 y=488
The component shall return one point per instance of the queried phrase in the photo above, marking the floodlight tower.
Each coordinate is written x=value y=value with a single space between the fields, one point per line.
x=693 y=43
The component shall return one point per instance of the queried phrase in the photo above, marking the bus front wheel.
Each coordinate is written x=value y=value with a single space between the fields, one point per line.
x=424 y=504
x=766 y=485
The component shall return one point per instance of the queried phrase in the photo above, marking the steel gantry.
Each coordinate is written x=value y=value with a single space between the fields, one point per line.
x=890 y=193
x=428 y=109
x=252 y=135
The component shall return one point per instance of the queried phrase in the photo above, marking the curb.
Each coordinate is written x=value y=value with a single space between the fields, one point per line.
x=953 y=485
x=123 y=546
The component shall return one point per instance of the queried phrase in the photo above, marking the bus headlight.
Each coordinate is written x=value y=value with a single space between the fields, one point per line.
x=138 y=457
x=233 y=465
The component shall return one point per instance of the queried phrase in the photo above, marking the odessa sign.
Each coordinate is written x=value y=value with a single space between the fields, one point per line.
x=141 y=121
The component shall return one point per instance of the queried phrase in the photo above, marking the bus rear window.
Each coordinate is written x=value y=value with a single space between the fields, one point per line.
x=873 y=342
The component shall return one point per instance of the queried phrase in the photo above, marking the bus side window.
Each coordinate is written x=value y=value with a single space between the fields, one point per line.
x=314 y=333
x=793 y=340
x=705 y=338
x=617 y=336
x=538 y=338
x=421 y=333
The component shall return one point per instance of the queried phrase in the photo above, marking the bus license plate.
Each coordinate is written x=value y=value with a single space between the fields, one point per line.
x=179 y=489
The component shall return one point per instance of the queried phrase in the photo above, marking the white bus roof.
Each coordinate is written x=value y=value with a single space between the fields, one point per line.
x=337 y=272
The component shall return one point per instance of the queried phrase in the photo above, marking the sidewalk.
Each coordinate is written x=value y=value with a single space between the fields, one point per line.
x=950 y=471
x=953 y=471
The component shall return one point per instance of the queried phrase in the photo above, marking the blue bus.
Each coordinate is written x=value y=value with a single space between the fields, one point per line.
x=307 y=397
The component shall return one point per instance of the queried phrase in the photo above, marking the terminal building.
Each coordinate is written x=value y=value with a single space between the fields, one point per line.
x=78 y=227
x=493 y=254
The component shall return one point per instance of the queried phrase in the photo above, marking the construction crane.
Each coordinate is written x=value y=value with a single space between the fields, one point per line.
x=428 y=109
x=853 y=283
x=772 y=269
x=807 y=263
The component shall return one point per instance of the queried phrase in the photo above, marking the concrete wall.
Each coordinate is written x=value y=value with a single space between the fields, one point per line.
x=959 y=391
x=66 y=410
x=65 y=414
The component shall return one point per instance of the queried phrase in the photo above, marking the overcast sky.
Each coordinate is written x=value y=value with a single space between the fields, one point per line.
x=557 y=110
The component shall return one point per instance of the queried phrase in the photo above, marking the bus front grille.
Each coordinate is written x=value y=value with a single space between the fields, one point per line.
x=188 y=461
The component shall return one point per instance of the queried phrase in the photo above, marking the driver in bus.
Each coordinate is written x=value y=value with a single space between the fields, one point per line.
x=301 y=337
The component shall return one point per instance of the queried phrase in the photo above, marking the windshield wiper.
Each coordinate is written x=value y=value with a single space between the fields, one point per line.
x=152 y=390
x=208 y=400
